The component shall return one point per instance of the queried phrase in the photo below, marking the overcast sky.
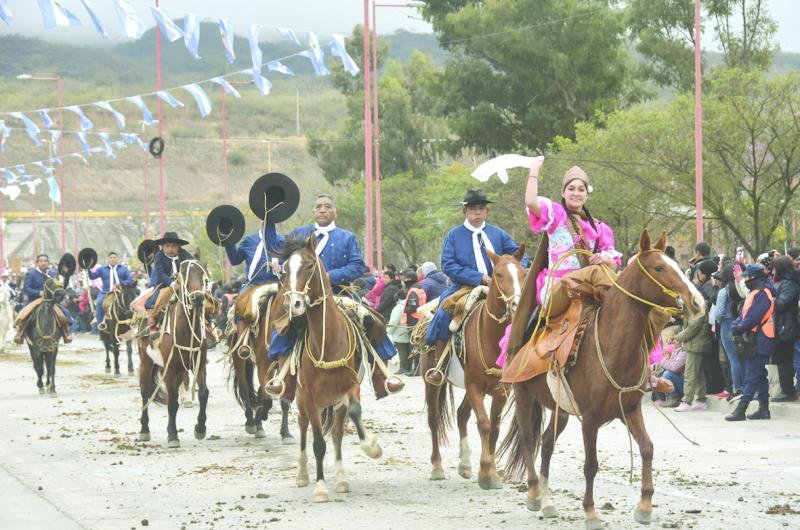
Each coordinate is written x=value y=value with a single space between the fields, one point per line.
x=321 y=16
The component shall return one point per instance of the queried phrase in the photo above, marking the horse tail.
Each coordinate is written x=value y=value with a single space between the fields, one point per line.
x=513 y=444
x=444 y=419
x=250 y=392
x=328 y=416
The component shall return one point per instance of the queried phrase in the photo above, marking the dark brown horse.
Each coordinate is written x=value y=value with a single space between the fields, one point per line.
x=182 y=347
x=614 y=349
x=329 y=390
x=43 y=333
x=118 y=322
x=483 y=329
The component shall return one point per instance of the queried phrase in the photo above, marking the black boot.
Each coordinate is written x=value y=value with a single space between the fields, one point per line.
x=761 y=414
x=739 y=412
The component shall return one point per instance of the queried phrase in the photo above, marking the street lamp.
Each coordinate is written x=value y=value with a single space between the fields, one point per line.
x=57 y=79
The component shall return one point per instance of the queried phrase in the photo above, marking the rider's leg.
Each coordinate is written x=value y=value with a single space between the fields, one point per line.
x=22 y=319
x=279 y=349
x=385 y=351
x=63 y=323
x=99 y=312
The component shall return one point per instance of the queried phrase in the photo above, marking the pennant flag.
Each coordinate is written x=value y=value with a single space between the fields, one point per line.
x=191 y=33
x=313 y=43
x=57 y=160
x=12 y=192
x=319 y=67
x=5 y=132
x=107 y=143
x=289 y=34
x=31 y=184
x=227 y=39
x=55 y=193
x=120 y=117
x=84 y=144
x=9 y=175
x=5 y=13
x=86 y=124
x=119 y=144
x=203 y=103
x=167 y=97
x=79 y=157
x=255 y=51
x=168 y=28
x=44 y=169
x=98 y=24
x=277 y=66
x=55 y=136
x=338 y=50
x=225 y=85
x=132 y=25
x=31 y=128
x=134 y=138
x=56 y=16
x=21 y=170
x=147 y=118
x=45 y=118
x=262 y=83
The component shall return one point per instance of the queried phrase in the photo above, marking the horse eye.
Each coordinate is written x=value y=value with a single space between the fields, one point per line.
x=659 y=268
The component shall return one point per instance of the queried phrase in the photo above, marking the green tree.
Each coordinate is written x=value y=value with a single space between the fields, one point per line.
x=525 y=71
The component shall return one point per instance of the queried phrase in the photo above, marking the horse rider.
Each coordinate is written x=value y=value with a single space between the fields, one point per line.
x=33 y=289
x=467 y=264
x=339 y=251
x=260 y=270
x=112 y=274
x=166 y=264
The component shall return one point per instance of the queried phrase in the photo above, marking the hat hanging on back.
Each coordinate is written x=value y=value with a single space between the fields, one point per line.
x=576 y=173
x=475 y=197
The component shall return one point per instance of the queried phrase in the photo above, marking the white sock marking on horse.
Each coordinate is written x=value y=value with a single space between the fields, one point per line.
x=464 y=452
x=697 y=298
x=544 y=488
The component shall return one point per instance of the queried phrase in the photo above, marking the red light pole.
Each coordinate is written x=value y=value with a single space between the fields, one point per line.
x=367 y=139
x=698 y=127
x=162 y=222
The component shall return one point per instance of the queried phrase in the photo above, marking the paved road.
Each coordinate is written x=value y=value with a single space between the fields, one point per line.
x=73 y=462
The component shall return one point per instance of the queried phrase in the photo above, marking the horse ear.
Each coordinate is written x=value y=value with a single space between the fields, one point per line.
x=661 y=244
x=519 y=253
x=644 y=241
x=312 y=242
x=492 y=257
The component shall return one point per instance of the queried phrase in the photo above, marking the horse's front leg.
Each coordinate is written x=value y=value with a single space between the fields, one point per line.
x=589 y=472
x=173 y=378
x=202 y=395
x=368 y=443
x=338 y=433
x=51 y=371
x=129 y=349
x=499 y=398
x=107 y=347
x=116 y=358
x=38 y=366
x=644 y=510
x=320 y=493
x=464 y=456
x=147 y=387
x=486 y=477
x=302 y=458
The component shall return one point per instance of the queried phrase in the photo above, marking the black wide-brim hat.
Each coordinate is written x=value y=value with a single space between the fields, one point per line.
x=225 y=225
x=171 y=237
x=475 y=197
x=66 y=266
x=274 y=195
x=87 y=258
x=146 y=250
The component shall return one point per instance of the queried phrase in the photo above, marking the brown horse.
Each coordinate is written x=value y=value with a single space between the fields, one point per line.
x=118 y=322
x=483 y=329
x=183 y=349
x=613 y=355
x=329 y=390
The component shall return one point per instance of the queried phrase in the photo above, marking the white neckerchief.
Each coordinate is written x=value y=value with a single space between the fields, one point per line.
x=323 y=231
x=476 y=244
x=113 y=279
x=174 y=262
x=260 y=249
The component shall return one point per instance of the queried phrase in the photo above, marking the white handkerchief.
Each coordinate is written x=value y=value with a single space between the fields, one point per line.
x=501 y=164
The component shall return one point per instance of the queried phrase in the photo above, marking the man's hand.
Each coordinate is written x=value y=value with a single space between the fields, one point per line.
x=276 y=268
x=487 y=280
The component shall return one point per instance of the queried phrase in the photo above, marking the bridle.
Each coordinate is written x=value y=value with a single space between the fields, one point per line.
x=291 y=293
x=506 y=299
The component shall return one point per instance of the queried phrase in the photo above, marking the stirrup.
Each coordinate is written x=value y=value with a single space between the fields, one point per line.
x=102 y=326
x=244 y=351
x=434 y=371
x=393 y=378
x=270 y=383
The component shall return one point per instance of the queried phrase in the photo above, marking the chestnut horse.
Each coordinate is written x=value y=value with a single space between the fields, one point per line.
x=183 y=348
x=483 y=329
x=329 y=384
x=612 y=357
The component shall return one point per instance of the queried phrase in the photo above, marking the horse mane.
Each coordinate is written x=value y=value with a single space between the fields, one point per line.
x=291 y=246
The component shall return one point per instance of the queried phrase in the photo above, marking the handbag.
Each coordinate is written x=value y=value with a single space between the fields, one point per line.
x=745 y=344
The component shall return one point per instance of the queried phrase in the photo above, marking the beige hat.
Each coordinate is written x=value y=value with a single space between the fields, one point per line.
x=575 y=173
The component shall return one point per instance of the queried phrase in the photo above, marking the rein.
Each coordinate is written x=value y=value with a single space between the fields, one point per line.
x=505 y=299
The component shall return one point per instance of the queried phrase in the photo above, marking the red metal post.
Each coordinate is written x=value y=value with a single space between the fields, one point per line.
x=224 y=127
x=61 y=171
x=367 y=139
x=162 y=222
x=2 y=214
x=698 y=127
x=74 y=188
x=376 y=136
x=146 y=169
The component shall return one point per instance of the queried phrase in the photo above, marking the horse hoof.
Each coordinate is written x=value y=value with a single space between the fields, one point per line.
x=301 y=481
x=490 y=484
x=199 y=435
x=642 y=517
x=594 y=524
x=371 y=448
x=534 y=505
x=250 y=429
x=108 y=369
x=342 y=487
x=117 y=374
x=144 y=436
x=174 y=444
x=465 y=471
x=52 y=393
x=320 y=493
x=437 y=474
x=187 y=404
x=41 y=390
x=260 y=433
x=549 y=512
x=131 y=371
x=287 y=439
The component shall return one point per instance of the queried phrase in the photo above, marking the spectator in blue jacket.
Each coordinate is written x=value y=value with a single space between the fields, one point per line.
x=434 y=281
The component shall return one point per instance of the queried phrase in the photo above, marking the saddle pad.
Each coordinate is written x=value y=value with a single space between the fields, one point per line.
x=455 y=372
x=428 y=309
x=562 y=393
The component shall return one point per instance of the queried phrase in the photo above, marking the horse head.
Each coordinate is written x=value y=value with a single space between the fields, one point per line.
x=192 y=280
x=508 y=275
x=662 y=281
x=53 y=290
x=127 y=295
x=300 y=268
